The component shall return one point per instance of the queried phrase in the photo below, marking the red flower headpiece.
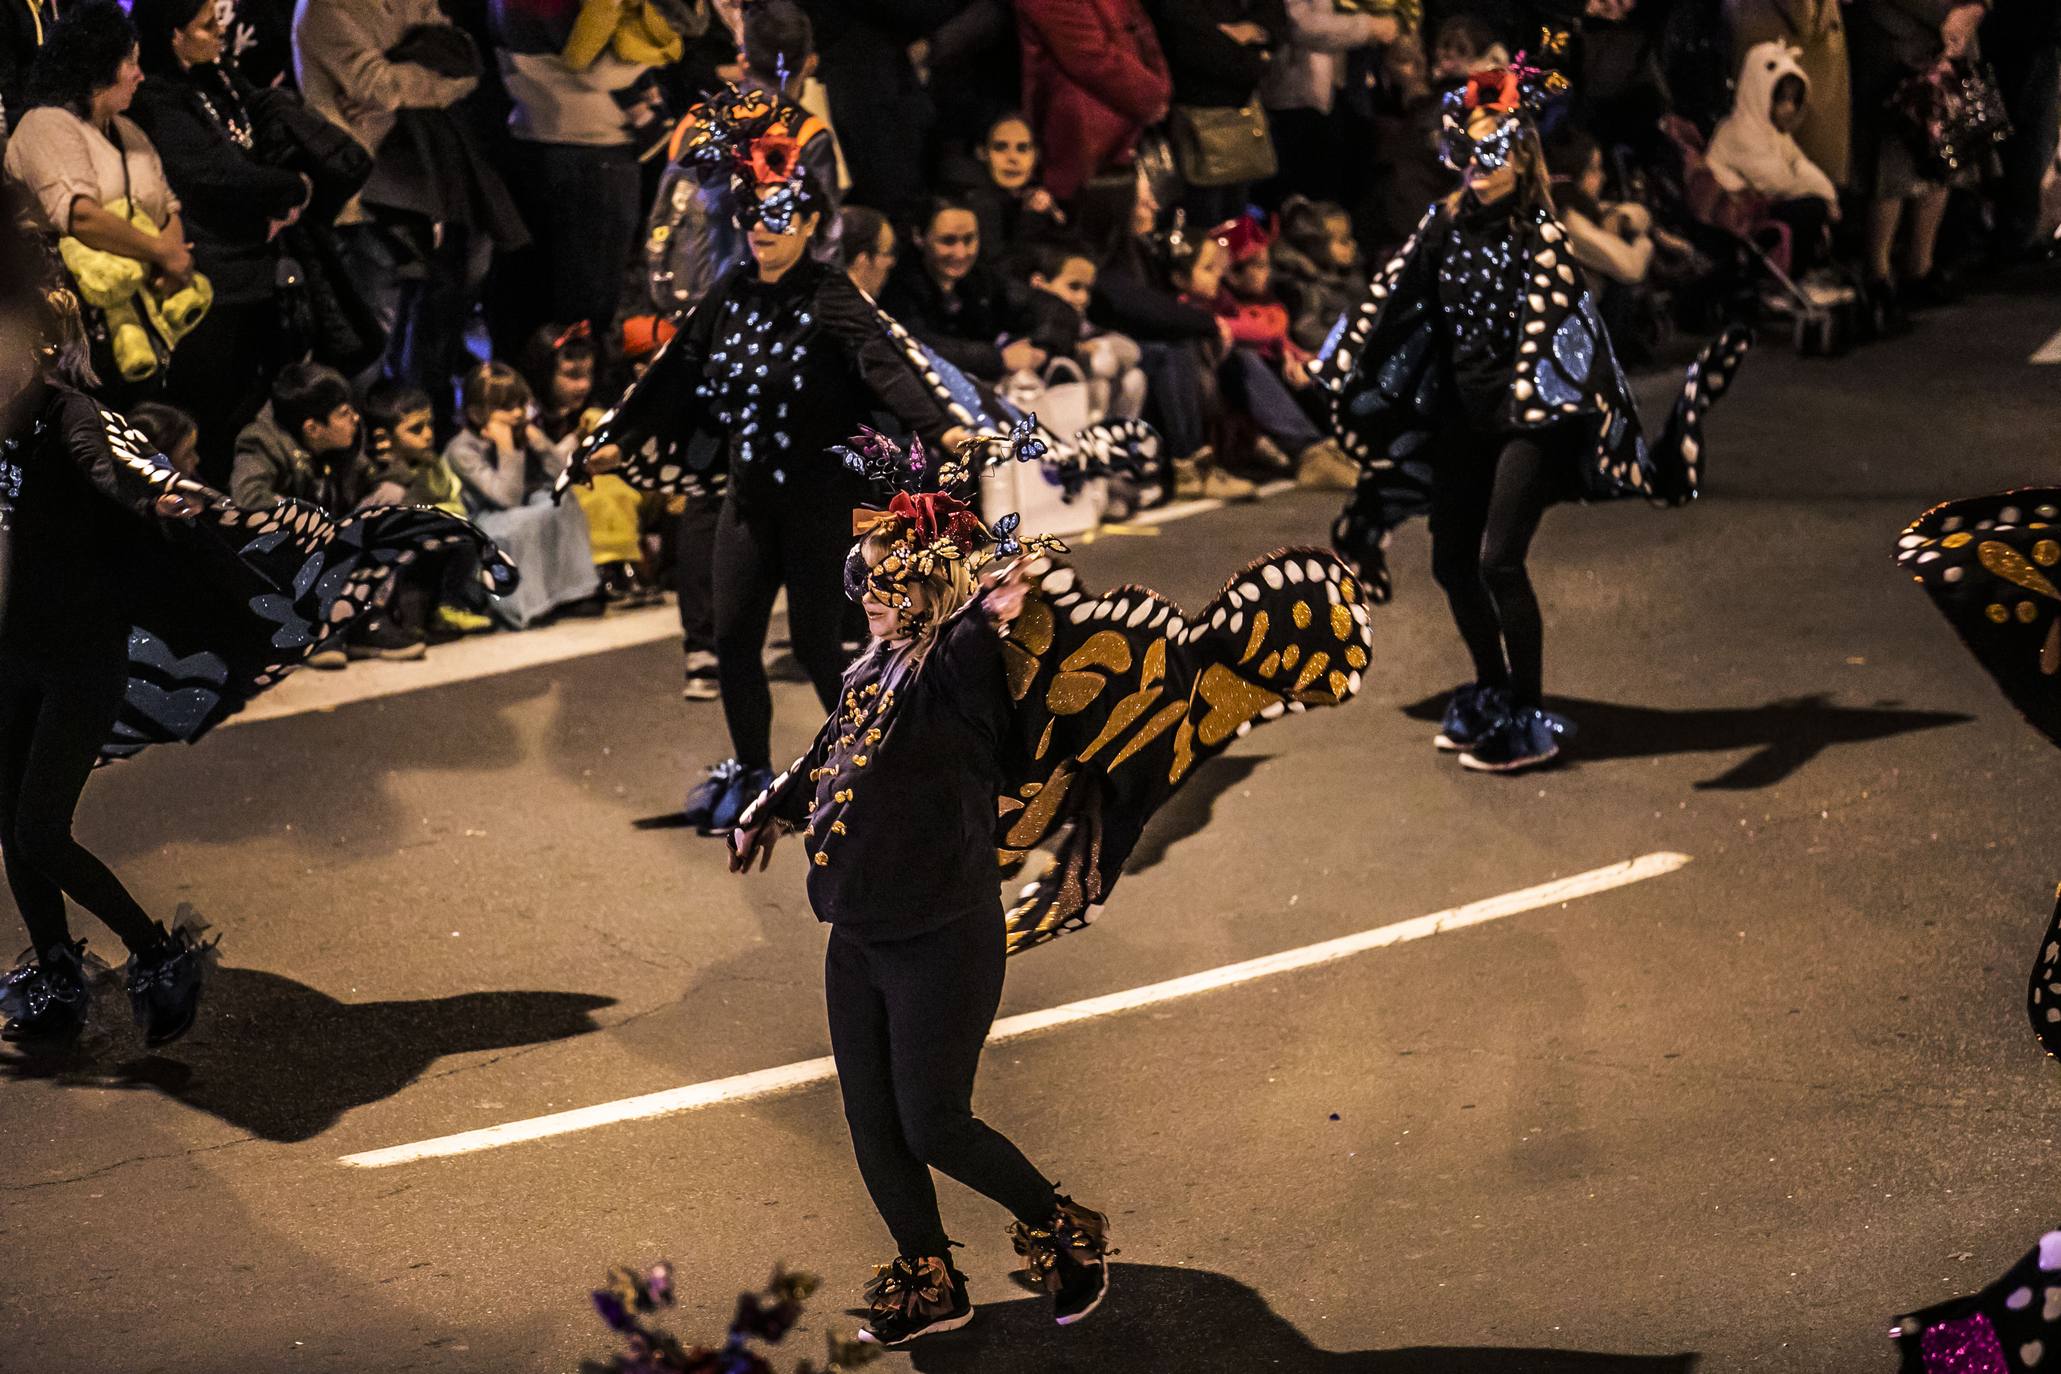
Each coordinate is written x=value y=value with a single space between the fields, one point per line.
x=1245 y=237
x=774 y=156
x=932 y=515
x=1498 y=88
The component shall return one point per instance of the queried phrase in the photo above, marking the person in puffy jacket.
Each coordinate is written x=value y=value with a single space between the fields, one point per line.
x=1094 y=78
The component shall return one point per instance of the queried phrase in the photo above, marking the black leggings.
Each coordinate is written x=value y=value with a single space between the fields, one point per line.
x=1486 y=500
x=53 y=721
x=907 y=1021
x=802 y=548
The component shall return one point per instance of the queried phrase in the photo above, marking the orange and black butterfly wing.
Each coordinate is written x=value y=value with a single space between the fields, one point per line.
x=1121 y=696
x=1992 y=564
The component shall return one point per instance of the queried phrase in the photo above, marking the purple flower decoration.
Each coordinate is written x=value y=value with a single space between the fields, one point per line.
x=612 y=1311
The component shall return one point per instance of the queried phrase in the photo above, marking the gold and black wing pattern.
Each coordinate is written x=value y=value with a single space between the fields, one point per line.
x=1120 y=696
x=1992 y=564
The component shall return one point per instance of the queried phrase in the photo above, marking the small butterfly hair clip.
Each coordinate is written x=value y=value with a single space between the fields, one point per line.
x=1024 y=444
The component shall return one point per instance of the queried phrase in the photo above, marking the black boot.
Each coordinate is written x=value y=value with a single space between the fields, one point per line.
x=44 y=998
x=164 y=985
x=1067 y=1257
x=915 y=1297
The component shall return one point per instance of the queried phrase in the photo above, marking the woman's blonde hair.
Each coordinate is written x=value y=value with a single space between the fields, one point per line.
x=946 y=590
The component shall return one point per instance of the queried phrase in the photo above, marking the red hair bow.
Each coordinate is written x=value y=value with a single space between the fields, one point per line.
x=1498 y=88
x=934 y=515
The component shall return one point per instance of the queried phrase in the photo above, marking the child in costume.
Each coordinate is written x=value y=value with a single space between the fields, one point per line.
x=1754 y=150
x=1008 y=711
x=1477 y=383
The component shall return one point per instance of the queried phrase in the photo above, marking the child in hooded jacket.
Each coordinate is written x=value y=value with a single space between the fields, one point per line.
x=1754 y=150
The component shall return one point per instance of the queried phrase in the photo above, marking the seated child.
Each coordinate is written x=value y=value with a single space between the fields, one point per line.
x=1062 y=282
x=1263 y=357
x=1195 y=266
x=506 y=466
x=1754 y=150
x=400 y=430
x=559 y=363
x=1317 y=269
x=171 y=432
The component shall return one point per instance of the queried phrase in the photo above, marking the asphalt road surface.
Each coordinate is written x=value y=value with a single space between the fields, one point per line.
x=1730 y=1116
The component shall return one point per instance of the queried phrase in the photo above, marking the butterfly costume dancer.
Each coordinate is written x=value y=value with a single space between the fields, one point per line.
x=1476 y=384
x=1002 y=707
x=1992 y=565
x=139 y=607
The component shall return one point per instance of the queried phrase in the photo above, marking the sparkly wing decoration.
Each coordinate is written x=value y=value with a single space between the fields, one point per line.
x=2010 y=1327
x=1989 y=564
x=232 y=600
x=1120 y=696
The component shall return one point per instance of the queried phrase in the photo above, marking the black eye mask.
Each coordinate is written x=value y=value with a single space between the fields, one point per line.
x=1462 y=151
x=856 y=574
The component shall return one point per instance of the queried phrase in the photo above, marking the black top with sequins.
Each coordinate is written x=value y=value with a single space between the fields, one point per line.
x=785 y=370
x=900 y=790
x=1480 y=289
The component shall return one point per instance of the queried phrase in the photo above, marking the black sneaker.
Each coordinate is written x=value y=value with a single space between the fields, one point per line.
x=164 y=985
x=705 y=796
x=1471 y=712
x=1526 y=737
x=1067 y=1257
x=378 y=637
x=44 y=999
x=912 y=1298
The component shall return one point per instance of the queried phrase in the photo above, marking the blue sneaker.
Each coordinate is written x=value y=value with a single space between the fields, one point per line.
x=743 y=791
x=1471 y=713
x=705 y=796
x=1524 y=738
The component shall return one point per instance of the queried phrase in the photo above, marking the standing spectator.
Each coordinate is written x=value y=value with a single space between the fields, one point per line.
x=203 y=119
x=870 y=248
x=1405 y=173
x=306 y=447
x=1013 y=208
x=1094 y=78
x=422 y=272
x=1816 y=29
x=96 y=176
x=955 y=303
x=257 y=39
x=1891 y=39
x=2023 y=39
x=573 y=69
x=1300 y=92
x=1219 y=52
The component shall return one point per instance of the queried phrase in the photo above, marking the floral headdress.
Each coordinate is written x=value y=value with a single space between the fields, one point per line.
x=1518 y=93
x=1244 y=238
x=932 y=528
x=748 y=138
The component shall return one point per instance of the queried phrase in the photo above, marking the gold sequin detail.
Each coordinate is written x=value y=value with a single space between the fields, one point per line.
x=1955 y=541
x=1157 y=726
x=2006 y=562
x=1341 y=622
x=1036 y=819
x=1104 y=649
x=1072 y=693
x=1259 y=636
x=1339 y=682
x=1300 y=614
x=1045 y=739
x=2046 y=553
x=1232 y=702
x=1997 y=613
x=2027 y=613
x=1120 y=719
x=1356 y=657
x=1291 y=656
x=1310 y=671
x=821 y=858
x=1271 y=664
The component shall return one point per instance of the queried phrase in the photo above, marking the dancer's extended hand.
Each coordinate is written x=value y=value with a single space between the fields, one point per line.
x=1007 y=588
x=755 y=843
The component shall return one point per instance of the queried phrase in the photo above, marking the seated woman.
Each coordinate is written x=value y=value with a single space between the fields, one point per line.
x=100 y=186
x=948 y=297
x=507 y=466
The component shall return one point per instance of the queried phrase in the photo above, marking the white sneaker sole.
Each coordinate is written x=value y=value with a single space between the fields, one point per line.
x=1082 y=1315
x=953 y=1324
x=1447 y=743
x=1513 y=766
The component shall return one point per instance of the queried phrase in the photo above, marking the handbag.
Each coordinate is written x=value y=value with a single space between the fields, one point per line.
x=1952 y=115
x=1219 y=145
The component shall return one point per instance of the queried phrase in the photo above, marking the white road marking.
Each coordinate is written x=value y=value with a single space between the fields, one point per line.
x=2048 y=352
x=464 y=660
x=766 y=1082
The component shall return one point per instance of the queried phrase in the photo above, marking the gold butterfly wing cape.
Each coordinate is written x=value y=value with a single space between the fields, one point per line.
x=1992 y=565
x=1121 y=696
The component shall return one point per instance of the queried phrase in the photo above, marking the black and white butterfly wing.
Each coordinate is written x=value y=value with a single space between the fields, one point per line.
x=1121 y=696
x=2010 y=1327
x=660 y=426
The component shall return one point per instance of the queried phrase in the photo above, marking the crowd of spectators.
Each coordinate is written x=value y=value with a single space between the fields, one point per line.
x=357 y=251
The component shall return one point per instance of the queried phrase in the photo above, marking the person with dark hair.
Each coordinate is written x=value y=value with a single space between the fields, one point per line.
x=99 y=183
x=440 y=592
x=947 y=296
x=1060 y=273
x=205 y=121
x=172 y=433
x=1477 y=382
x=690 y=236
x=1011 y=203
x=305 y=446
x=558 y=363
x=781 y=360
x=868 y=247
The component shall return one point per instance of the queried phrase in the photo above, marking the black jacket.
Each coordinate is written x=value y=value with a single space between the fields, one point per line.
x=900 y=829
x=228 y=195
x=1209 y=68
x=1127 y=299
x=828 y=364
x=963 y=326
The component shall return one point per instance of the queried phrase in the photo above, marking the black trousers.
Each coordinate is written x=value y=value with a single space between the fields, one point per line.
x=694 y=572
x=53 y=719
x=907 y=1021
x=222 y=373
x=1488 y=494
x=801 y=547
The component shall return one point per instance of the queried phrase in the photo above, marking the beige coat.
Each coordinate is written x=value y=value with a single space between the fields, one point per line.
x=1815 y=28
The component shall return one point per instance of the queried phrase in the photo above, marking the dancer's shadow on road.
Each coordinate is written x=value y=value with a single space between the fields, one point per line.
x=1189 y=809
x=278 y=1059
x=1160 y=1320
x=1784 y=735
